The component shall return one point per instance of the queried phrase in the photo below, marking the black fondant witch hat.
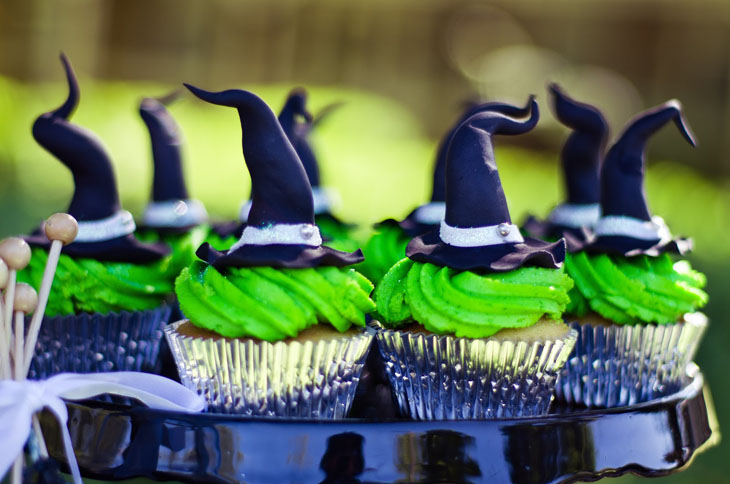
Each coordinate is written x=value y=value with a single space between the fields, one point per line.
x=477 y=232
x=626 y=226
x=427 y=216
x=106 y=232
x=280 y=231
x=297 y=123
x=170 y=209
x=581 y=164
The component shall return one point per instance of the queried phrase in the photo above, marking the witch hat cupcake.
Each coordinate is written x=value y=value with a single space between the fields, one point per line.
x=106 y=232
x=581 y=164
x=280 y=231
x=426 y=216
x=108 y=304
x=278 y=298
x=634 y=308
x=626 y=225
x=170 y=210
x=477 y=288
x=387 y=244
x=477 y=231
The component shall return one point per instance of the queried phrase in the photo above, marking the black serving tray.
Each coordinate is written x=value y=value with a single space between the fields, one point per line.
x=651 y=439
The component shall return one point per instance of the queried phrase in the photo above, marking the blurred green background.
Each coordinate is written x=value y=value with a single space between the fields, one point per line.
x=403 y=69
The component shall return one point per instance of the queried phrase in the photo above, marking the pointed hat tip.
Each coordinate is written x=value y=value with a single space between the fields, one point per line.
x=679 y=120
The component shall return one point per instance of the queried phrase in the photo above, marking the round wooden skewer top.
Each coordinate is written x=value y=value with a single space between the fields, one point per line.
x=15 y=252
x=3 y=274
x=26 y=298
x=61 y=226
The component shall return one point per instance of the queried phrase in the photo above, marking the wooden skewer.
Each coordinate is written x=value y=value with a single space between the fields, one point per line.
x=16 y=254
x=61 y=229
x=24 y=302
x=4 y=348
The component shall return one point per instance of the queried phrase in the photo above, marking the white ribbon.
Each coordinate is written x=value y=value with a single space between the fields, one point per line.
x=285 y=234
x=119 y=224
x=576 y=215
x=431 y=213
x=174 y=213
x=19 y=400
x=619 y=225
x=503 y=233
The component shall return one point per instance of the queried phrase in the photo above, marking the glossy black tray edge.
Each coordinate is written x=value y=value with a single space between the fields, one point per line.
x=651 y=439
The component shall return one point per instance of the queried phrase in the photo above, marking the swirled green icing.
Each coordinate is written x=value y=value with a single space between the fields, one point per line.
x=183 y=245
x=87 y=285
x=338 y=235
x=385 y=247
x=635 y=290
x=270 y=303
x=466 y=304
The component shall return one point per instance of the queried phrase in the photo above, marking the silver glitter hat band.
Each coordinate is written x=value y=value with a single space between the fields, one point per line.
x=504 y=233
x=619 y=225
x=174 y=213
x=323 y=198
x=284 y=234
x=118 y=225
x=575 y=215
x=431 y=213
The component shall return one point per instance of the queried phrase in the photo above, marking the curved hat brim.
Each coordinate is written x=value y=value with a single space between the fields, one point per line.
x=228 y=229
x=495 y=258
x=409 y=225
x=575 y=238
x=121 y=249
x=279 y=255
x=631 y=247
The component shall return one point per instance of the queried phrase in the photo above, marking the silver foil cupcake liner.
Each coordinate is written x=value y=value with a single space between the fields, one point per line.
x=447 y=378
x=616 y=365
x=312 y=379
x=94 y=343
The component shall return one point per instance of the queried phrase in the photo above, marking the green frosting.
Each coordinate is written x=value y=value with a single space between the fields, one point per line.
x=385 y=247
x=466 y=304
x=634 y=290
x=337 y=235
x=220 y=243
x=87 y=285
x=183 y=245
x=271 y=303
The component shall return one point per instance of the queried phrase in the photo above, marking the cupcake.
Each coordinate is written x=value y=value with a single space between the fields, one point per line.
x=387 y=245
x=472 y=315
x=171 y=215
x=635 y=306
x=108 y=304
x=580 y=158
x=252 y=343
x=298 y=123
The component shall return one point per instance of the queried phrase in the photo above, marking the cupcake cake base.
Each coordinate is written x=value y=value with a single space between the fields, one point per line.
x=615 y=365
x=94 y=343
x=511 y=374
x=314 y=375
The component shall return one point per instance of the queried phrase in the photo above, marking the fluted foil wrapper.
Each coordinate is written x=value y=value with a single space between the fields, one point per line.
x=94 y=343
x=312 y=379
x=447 y=378
x=616 y=365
